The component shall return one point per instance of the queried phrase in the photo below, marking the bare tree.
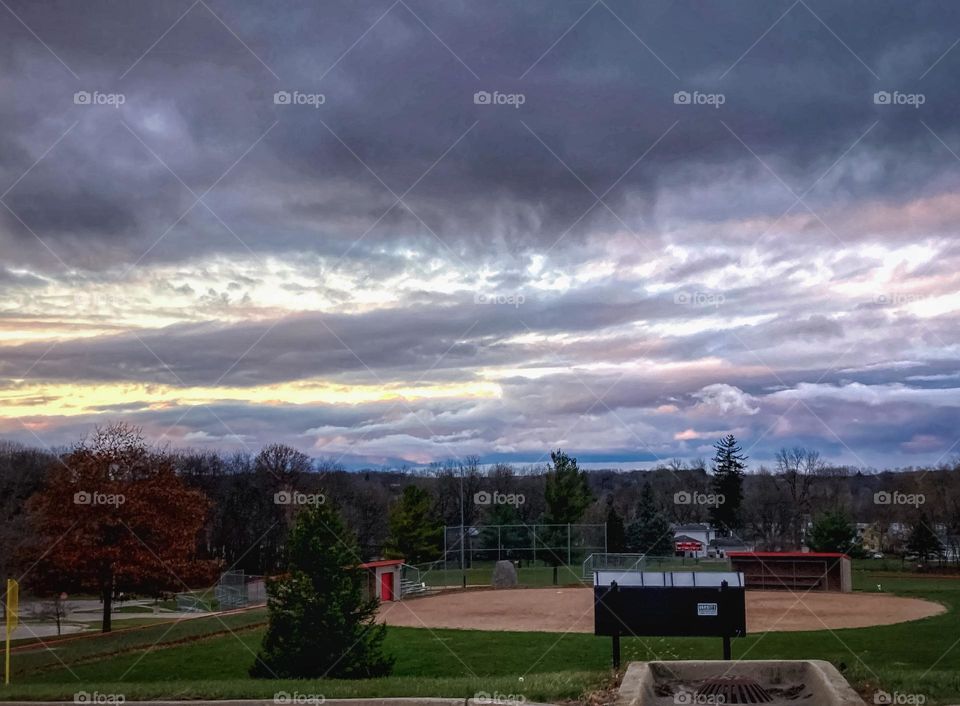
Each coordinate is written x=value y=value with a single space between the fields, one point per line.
x=798 y=469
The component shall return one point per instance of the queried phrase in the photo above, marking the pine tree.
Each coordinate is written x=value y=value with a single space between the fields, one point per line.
x=415 y=530
x=504 y=532
x=616 y=532
x=923 y=541
x=568 y=496
x=321 y=624
x=728 y=468
x=650 y=532
x=833 y=531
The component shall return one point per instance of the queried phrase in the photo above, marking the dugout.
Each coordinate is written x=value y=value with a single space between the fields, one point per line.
x=383 y=578
x=794 y=571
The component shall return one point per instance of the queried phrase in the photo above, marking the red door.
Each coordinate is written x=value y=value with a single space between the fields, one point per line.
x=386 y=586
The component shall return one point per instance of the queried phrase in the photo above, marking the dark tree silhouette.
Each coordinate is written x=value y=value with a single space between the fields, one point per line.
x=728 y=468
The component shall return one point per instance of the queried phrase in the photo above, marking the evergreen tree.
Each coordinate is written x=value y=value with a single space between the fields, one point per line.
x=504 y=533
x=728 y=468
x=923 y=541
x=415 y=530
x=567 y=491
x=616 y=532
x=567 y=495
x=833 y=531
x=650 y=532
x=321 y=624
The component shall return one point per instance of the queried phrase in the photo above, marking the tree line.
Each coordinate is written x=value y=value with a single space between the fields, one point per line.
x=236 y=510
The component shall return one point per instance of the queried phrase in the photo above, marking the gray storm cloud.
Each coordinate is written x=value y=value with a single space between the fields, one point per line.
x=768 y=260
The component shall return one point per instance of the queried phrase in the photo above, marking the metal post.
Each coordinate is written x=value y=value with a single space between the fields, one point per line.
x=614 y=588
x=463 y=548
x=569 y=555
x=498 y=543
x=726 y=638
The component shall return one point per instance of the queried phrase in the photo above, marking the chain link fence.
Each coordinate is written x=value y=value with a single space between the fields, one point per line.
x=539 y=544
x=235 y=589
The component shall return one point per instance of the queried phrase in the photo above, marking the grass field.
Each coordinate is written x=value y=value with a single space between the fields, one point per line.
x=198 y=658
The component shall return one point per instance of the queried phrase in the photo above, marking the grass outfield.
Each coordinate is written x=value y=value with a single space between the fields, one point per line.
x=911 y=658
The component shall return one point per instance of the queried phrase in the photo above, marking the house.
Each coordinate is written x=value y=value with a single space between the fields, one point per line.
x=692 y=540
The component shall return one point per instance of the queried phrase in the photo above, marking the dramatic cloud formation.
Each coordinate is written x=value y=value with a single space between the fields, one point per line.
x=406 y=231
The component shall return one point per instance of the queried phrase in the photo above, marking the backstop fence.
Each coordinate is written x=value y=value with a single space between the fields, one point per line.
x=234 y=589
x=538 y=544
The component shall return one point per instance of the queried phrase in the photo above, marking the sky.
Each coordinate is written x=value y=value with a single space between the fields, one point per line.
x=396 y=232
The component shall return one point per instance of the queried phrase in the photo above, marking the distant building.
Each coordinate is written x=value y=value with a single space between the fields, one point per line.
x=721 y=546
x=692 y=540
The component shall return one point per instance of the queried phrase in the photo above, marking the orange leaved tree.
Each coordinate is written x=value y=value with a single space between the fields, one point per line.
x=115 y=516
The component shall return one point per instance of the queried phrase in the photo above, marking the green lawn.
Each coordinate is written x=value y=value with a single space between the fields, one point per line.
x=913 y=658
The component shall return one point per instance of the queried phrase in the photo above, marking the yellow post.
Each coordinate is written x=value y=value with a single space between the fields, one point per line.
x=12 y=613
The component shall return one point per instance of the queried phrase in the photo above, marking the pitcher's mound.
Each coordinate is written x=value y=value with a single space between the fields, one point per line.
x=571 y=610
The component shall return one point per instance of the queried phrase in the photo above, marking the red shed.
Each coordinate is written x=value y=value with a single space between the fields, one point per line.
x=383 y=578
x=794 y=571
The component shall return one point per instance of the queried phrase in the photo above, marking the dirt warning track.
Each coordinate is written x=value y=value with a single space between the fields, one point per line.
x=571 y=609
